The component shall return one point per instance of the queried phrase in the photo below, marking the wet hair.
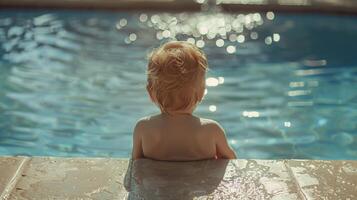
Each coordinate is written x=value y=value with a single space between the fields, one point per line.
x=174 y=74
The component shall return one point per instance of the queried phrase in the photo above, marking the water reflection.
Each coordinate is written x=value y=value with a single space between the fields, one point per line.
x=251 y=114
x=287 y=124
x=204 y=26
x=276 y=37
x=200 y=43
x=315 y=63
x=240 y=38
x=212 y=82
x=270 y=15
x=268 y=40
x=298 y=92
x=254 y=35
x=146 y=179
x=296 y=84
x=212 y=108
x=132 y=37
x=231 y=49
x=220 y=43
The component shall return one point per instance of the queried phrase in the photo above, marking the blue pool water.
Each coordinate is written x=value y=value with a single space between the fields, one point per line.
x=72 y=83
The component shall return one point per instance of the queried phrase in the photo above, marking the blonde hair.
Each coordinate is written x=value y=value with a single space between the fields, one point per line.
x=173 y=74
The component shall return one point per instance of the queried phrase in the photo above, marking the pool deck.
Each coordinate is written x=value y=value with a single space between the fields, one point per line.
x=103 y=178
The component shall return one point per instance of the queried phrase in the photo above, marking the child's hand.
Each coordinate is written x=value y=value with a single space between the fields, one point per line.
x=223 y=150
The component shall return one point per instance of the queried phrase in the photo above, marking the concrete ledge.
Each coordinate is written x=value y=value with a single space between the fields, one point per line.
x=101 y=178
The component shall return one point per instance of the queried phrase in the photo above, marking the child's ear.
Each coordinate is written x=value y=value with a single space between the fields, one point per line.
x=201 y=90
x=148 y=89
x=199 y=93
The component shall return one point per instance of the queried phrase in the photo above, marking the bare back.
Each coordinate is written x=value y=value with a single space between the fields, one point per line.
x=177 y=138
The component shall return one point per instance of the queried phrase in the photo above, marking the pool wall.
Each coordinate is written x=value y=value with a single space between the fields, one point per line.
x=310 y=6
x=102 y=178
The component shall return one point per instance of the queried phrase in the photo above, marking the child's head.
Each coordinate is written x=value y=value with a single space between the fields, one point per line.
x=176 y=77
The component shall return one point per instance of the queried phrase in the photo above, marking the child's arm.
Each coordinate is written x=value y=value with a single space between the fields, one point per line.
x=222 y=147
x=137 y=142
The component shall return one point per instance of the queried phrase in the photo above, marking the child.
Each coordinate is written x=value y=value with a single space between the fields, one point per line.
x=176 y=84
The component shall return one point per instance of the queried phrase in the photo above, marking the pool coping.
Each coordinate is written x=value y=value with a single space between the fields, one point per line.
x=340 y=7
x=112 y=178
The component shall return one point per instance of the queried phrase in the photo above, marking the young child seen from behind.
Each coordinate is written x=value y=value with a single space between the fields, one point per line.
x=176 y=84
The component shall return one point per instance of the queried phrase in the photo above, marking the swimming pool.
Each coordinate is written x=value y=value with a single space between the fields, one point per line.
x=72 y=83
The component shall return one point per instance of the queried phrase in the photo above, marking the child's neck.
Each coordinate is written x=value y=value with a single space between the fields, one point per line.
x=178 y=113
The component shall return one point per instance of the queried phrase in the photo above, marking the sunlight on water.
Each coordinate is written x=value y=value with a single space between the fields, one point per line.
x=73 y=84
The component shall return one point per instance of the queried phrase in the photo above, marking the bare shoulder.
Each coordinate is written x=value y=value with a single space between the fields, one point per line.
x=142 y=124
x=211 y=126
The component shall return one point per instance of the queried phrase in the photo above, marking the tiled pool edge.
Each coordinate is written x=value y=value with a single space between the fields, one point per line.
x=102 y=178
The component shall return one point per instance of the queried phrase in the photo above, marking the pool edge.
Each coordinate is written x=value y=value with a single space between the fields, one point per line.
x=98 y=178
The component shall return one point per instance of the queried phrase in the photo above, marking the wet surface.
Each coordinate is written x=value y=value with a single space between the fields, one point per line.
x=8 y=168
x=55 y=178
x=326 y=179
x=222 y=179
x=153 y=179
x=63 y=178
